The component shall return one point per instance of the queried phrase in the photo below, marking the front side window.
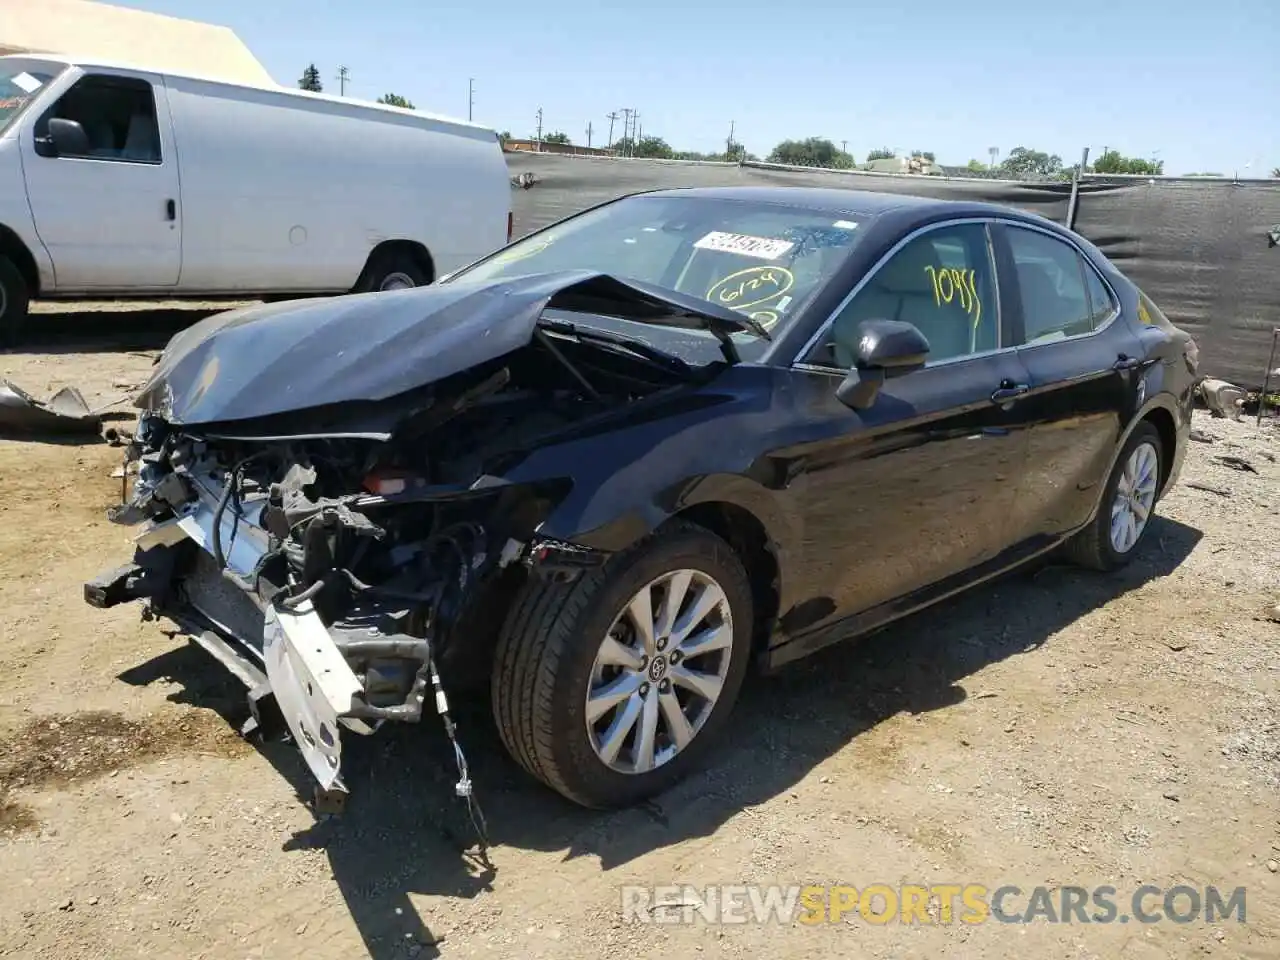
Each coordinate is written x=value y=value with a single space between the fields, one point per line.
x=765 y=260
x=20 y=84
x=1052 y=282
x=117 y=114
x=942 y=282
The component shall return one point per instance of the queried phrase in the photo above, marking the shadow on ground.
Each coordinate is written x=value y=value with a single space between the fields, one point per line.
x=404 y=833
x=109 y=330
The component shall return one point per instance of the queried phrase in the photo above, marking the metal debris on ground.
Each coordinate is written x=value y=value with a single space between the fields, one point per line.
x=1236 y=463
x=64 y=412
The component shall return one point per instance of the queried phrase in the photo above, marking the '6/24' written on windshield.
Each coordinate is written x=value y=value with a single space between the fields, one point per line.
x=951 y=284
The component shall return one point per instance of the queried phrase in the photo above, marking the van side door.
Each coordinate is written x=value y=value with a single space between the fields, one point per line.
x=107 y=207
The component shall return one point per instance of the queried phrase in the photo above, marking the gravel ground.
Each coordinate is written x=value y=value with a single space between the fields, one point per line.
x=1059 y=728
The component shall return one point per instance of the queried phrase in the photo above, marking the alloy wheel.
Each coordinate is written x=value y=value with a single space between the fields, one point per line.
x=659 y=671
x=1135 y=497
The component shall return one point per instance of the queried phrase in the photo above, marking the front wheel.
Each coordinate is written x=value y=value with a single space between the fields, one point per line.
x=14 y=303
x=612 y=688
x=1128 y=501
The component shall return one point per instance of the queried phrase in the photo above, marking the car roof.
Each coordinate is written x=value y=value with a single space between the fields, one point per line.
x=853 y=201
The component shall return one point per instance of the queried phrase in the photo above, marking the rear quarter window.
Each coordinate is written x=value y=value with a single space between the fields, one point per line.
x=1149 y=315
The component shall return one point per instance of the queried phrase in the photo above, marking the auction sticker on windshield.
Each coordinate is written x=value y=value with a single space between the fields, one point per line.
x=765 y=248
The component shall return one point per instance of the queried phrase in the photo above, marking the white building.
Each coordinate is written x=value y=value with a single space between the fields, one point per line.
x=85 y=28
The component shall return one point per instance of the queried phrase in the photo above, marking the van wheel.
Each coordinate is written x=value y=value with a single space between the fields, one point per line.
x=393 y=270
x=14 y=303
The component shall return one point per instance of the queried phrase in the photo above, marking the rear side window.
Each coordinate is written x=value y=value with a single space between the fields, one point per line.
x=1101 y=302
x=1051 y=279
x=118 y=115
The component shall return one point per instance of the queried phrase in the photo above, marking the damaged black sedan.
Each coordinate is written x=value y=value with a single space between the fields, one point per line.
x=610 y=466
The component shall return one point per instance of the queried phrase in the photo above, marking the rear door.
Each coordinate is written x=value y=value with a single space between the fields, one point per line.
x=109 y=217
x=916 y=489
x=1083 y=367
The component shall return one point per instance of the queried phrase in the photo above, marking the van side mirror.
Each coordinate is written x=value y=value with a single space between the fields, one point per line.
x=886 y=349
x=66 y=138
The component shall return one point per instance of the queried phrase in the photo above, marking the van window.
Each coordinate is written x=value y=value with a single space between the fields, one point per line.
x=118 y=115
x=20 y=84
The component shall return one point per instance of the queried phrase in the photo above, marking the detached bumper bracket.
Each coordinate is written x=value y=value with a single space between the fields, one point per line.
x=121 y=585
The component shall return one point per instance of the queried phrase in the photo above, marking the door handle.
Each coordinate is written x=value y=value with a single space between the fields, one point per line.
x=1009 y=392
x=171 y=210
x=1126 y=363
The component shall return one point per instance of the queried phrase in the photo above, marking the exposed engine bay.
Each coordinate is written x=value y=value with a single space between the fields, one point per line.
x=344 y=559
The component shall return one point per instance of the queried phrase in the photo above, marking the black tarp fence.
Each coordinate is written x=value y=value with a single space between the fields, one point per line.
x=1198 y=246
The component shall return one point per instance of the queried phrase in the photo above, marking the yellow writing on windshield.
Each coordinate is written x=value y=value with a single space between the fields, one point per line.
x=951 y=284
x=751 y=287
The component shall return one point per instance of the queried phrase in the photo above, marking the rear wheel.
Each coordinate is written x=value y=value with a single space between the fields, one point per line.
x=1128 y=502
x=15 y=301
x=393 y=270
x=612 y=688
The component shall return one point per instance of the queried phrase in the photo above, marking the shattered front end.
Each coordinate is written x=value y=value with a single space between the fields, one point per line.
x=338 y=604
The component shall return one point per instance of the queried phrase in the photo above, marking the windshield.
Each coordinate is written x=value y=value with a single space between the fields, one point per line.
x=765 y=260
x=20 y=84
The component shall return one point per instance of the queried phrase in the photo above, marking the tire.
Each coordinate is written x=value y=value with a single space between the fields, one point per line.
x=392 y=270
x=1094 y=547
x=15 y=301
x=544 y=668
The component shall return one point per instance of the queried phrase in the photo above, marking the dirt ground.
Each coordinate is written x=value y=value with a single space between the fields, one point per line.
x=1059 y=728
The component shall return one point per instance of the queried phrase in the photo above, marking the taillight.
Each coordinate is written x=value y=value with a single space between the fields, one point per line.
x=511 y=225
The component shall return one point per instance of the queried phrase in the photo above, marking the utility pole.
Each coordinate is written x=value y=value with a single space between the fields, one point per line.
x=994 y=152
x=639 y=132
x=844 y=146
x=612 y=117
x=343 y=76
x=728 y=144
x=588 y=134
x=626 y=126
x=539 y=136
x=471 y=95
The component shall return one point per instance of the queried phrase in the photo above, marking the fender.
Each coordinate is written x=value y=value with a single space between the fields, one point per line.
x=782 y=529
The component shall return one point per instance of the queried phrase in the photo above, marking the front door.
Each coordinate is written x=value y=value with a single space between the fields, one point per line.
x=109 y=217
x=917 y=488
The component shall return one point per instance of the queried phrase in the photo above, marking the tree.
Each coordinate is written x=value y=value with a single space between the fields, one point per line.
x=311 y=80
x=653 y=147
x=926 y=154
x=1112 y=161
x=557 y=137
x=811 y=152
x=1022 y=161
x=976 y=166
x=395 y=100
x=504 y=135
x=1275 y=172
x=881 y=153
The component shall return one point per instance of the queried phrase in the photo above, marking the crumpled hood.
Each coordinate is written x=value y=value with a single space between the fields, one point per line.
x=271 y=359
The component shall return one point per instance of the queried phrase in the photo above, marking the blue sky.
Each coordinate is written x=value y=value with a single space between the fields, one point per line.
x=1198 y=86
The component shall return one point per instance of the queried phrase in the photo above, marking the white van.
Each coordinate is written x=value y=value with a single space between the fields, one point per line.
x=121 y=182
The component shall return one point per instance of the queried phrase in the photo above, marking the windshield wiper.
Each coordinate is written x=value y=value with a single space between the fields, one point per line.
x=646 y=303
x=668 y=361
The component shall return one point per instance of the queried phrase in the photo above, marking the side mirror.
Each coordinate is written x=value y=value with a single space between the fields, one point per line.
x=886 y=348
x=66 y=138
